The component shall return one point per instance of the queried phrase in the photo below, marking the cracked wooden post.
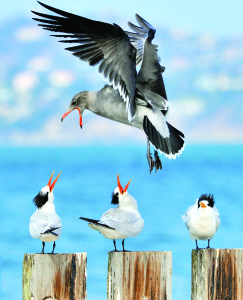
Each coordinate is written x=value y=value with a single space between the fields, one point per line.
x=217 y=274
x=57 y=277
x=139 y=276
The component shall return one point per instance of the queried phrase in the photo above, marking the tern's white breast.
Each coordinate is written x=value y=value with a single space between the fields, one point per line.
x=202 y=223
x=42 y=220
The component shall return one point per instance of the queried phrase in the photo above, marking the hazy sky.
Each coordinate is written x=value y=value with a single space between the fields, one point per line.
x=219 y=18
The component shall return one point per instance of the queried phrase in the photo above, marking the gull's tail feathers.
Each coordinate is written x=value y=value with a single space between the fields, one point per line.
x=171 y=146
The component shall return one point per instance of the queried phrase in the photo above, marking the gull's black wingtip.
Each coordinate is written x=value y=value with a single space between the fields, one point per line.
x=35 y=13
x=41 y=3
x=45 y=5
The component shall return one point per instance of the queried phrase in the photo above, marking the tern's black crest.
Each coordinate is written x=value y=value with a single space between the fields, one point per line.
x=40 y=199
x=209 y=198
x=115 y=198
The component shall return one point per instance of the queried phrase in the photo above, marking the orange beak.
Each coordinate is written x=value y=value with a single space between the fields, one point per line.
x=80 y=116
x=122 y=191
x=203 y=205
x=51 y=186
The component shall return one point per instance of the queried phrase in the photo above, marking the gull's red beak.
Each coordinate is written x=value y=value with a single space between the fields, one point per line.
x=80 y=116
x=122 y=191
x=51 y=186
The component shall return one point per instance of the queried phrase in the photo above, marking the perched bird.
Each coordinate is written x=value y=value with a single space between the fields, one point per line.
x=202 y=219
x=134 y=98
x=45 y=224
x=122 y=221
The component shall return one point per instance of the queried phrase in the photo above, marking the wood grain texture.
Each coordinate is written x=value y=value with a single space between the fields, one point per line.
x=57 y=277
x=139 y=276
x=217 y=274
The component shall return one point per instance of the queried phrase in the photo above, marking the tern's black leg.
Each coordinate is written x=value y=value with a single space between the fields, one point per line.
x=157 y=161
x=43 y=246
x=123 y=241
x=123 y=245
x=208 y=247
x=149 y=157
x=197 y=248
x=114 y=242
x=54 y=245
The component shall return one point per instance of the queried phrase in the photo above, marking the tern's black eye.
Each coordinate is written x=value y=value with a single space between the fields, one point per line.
x=115 y=198
x=40 y=199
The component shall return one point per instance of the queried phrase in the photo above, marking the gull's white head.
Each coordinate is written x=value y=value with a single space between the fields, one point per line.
x=80 y=103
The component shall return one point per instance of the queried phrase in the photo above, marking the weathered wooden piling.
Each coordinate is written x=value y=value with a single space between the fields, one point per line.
x=139 y=276
x=54 y=276
x=217 y=274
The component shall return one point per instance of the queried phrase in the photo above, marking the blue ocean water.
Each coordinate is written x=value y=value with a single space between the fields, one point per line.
x=84 y=189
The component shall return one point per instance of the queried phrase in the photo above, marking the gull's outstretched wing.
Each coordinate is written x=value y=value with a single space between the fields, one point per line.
x=98 y=43
x=139 y=35
x=149 y=79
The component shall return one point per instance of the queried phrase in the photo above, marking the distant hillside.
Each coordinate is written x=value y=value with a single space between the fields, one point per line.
x=203 y=78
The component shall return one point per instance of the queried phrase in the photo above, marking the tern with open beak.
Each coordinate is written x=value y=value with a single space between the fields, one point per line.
x=202 y=219
x=122 y=221
x=134 y=98
x=45 y=224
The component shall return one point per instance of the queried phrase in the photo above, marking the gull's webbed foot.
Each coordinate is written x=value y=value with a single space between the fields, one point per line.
x=150 y=162
x=157 y=161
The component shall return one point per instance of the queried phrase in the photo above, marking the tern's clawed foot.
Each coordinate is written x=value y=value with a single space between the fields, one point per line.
x=157 y=161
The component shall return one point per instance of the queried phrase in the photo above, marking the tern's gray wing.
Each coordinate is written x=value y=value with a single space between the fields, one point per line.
x=98 y=43
x=126 y=223
x=149 y=79
x=40 y=224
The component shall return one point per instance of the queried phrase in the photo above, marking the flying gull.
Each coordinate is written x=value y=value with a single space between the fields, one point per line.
x=134 y=98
